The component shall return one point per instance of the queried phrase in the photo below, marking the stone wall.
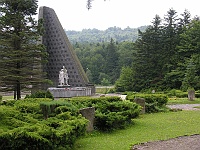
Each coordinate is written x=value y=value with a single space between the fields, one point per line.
x=70 y=92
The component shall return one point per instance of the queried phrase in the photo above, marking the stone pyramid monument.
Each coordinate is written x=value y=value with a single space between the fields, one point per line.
x=60 y=52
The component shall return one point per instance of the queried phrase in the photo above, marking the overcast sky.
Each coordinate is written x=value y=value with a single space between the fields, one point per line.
x=74 y=15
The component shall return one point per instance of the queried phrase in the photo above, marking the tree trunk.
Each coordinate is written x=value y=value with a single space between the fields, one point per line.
x=15 y=94
x=18 y=90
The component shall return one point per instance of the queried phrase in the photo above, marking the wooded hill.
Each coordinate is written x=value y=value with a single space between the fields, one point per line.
x=164 y=56
x=95 y=35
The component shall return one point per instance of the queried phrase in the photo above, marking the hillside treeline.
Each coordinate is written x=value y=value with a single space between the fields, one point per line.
x=165 y=56
x=95 y=35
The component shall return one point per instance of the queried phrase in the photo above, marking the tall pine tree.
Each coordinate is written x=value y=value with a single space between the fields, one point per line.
x=112 y=58
x=148 y=62
x=189 y=49
x=21 y=57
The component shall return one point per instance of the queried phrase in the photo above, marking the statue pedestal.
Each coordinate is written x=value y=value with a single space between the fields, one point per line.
x=66 y=92
x=63 y=86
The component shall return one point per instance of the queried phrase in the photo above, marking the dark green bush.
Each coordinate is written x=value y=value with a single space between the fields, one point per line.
x=114 y=115
x=22 y=139
x=23 y=127
x=56 y=107
x=44 y=135
x=111 y=112
x=30 y=105
x=177 y=93
x=20 y=129
x=197 y=95
x=111 y=90
x=8 y=102
x=153 y=102
x=41 y=94
x=1 y=98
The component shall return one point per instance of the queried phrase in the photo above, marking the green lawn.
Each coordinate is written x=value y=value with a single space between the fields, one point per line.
x=7 y=98
x=103 y=89
x=183 y=101
x=149 y=127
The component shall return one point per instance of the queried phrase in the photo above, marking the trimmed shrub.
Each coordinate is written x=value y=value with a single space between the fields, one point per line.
x=1 y=98
x=55 y=107
x=197 y=95
x=153 y=102
x=8 y=102
x=23 y=127
x=41 y=94
x=20 y=129
x=30 y=105
x=111 y=112
x=44 y=135
x=177 y=93
x=114 y=115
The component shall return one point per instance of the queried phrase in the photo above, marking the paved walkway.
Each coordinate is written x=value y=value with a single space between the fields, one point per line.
x=180 y=143
x=185 y=106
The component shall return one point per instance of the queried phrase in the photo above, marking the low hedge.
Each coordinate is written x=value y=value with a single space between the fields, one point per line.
x=74 y=104
x=110 y=112
x=41 y=94
x=114 y=115
x=197 y=95
x=153 y=102
x=30 y=105
x=44 y=135
x=177 y=93
x=23 y=127
x=181 y=94
x=54 y=107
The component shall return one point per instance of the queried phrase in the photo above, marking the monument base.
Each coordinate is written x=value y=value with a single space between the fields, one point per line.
x=63 y=86
x=66 y=92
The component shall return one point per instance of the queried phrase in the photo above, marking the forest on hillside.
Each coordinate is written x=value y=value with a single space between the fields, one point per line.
x=166 y=55
x=95 y=35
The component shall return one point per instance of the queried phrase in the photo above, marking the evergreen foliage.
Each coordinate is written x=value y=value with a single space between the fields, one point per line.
x=23 y=127
x=153 y=102
x=112 y=59
x=164 y=56
x=110 y=112
x=160 y=61
x=103 y=61
x=20 y=55
x=189 y=50
x=101 y=36
x=115 y=115
x=125 y=81
x=41 y=94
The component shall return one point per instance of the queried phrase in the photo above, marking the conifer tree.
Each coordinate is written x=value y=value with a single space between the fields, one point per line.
x=111 y=58
x=21 y=56
x=148 y=62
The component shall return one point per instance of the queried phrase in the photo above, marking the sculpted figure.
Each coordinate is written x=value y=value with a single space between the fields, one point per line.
x=63 y=77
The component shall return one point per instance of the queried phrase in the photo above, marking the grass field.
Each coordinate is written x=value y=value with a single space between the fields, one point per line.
x=149 y=127
x=103 y=89
x=183 y=101
x=7 y=98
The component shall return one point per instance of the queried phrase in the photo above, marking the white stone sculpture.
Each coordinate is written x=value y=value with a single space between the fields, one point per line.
x=63 y=77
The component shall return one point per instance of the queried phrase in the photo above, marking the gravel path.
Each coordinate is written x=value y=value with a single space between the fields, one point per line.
x=185 y=106
x=180 y=143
